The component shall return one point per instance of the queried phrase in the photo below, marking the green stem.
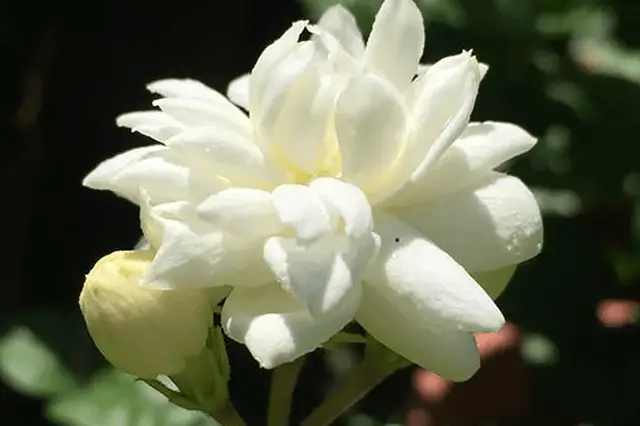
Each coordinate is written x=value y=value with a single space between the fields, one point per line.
x=283 y=384
x=358 y=383
x=228 y=416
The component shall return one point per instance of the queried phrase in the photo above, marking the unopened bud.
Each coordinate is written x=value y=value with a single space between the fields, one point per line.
x=143 y=331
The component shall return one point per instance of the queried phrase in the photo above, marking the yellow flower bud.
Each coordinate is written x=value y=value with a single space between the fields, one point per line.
x=142 y=331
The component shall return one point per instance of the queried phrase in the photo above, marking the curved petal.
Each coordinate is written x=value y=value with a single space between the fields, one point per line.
x=244 y=212
x=451 y=354
x=279 y=66
x=275 y=326
x=191 y=253
x=299 y=207
x=396 y=42
x=185 y=88
x=423 y=68
x=154 y=124
x=487 y=226
x=238 y=91
x=123 y=175
x=348 y=202
x=445 y=99
x=270 y=57
x=219 y=152
x=494 y=282
x=201 y=113
x=370 y=122
x=341 y=24
x=426 y=284
x=481 y=148
x=301 y=121
x=323 y=274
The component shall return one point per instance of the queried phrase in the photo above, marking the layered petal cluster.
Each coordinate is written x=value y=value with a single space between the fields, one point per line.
x=339 y=180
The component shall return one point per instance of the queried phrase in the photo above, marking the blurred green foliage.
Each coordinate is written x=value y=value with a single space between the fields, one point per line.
x=109 y=398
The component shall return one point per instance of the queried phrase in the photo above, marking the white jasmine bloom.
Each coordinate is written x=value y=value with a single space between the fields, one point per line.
x=350 y=191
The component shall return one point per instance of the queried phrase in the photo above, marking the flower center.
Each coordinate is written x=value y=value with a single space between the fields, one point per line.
x=329 y=165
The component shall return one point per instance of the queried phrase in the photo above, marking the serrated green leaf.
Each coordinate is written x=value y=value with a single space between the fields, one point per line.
x=117 y=399
x=30 y=367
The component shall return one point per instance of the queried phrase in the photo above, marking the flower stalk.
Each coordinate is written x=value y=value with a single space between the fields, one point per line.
x=283 y=384
x=378 y=364
x=228 y=416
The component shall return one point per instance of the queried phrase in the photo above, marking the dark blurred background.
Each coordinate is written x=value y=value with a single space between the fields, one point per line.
x=567 y=71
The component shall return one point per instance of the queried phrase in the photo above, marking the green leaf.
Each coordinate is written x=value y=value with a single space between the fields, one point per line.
x=114 y=398
x=27 y=365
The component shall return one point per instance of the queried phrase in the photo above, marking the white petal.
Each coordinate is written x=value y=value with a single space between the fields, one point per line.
x=302 y=119
x=154 y=124
x=200 y=113
x=161 y=178
x=238 y=91
x=299 y=207
x=370 y=125
x=185 y=88
x=494 y=282
x=426 y=284
x=412 y=92
x=423 y=68
x=225 y=153
x=275 y=326
x=487 y=226
x=105 y=175
x=396 y=42
x=241 y=211
x=481 y=148
x=272 y=56
x=323 y=274
x=191 y=254
x=442 y=109
x=338 y=21
x=451 y=354
x=349 y=203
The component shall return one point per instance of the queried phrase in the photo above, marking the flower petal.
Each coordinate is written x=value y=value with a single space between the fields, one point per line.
x=185 y=88
x=396 y=42
x=244 y=212
x=278 y=66
x=441 y=111
x=416 y=86
x=481 y=148
x=201 y=113
x=349 y=203
x=370 y=125
x=490 y=225
x=299 y=207
x=107 y=175
x=191 y=253
x=323 y=274
x=270 y=57
x=426 y=284
x=341 y=24
x=451 y=354
x=238 y=91
x=154 y=124
x=223 y=153
x=494 y=282
x=275 y=326
x=299 y=130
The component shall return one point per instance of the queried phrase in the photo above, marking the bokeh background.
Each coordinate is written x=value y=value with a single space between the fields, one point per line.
x=568 y=71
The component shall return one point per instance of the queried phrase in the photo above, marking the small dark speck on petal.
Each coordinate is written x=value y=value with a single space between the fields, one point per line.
x=397 y=240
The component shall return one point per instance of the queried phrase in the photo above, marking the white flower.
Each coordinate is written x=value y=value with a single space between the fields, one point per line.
x=352 y=190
